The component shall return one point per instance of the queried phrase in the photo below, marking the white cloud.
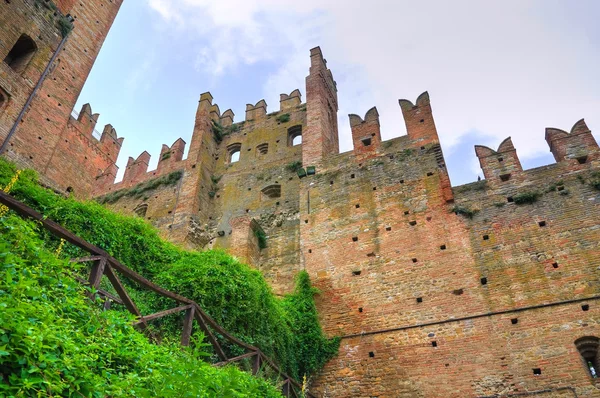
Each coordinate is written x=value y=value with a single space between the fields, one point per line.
x=502 y=68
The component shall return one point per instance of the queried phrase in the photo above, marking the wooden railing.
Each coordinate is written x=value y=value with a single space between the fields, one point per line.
x=104 y=264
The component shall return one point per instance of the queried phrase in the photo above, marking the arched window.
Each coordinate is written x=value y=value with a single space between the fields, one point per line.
x=233 y=152
x=295 y=135
x=272 y=191
x=588 y=349
x=141 y=210
x=19 y=56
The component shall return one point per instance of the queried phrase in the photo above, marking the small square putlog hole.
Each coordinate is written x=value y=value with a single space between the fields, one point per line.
x=554 y=265
x=360 y=309
x=537 y=371
x=413 y=223
x=486 y=237
x=458 y=292
x=371 y=354
x=514 y=321
x=414 y=260
x=355 y=239
x=388 y=228
x=483 y=281
x=434 y=343
x=419 y=299
x=542 y=223
x=356 y=273
x=443 y=247
x=585 y=307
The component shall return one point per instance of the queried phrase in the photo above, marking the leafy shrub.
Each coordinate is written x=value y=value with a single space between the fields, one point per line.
x=284 y=118
x=294 y=166
x=234 y=294
x=595 y=181
x=55 y=342
x=526 y=198
x=262 y=238
x=465 y=211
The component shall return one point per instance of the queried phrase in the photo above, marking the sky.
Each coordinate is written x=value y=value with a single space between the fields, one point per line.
x=493 y=69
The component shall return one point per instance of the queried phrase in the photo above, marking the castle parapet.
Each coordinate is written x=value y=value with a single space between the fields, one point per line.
x=136 y=168
x=579 y=145
x=170 y=155
x=366 y=134
x=499 y=165
x=226 y=118
x=290 y=101
x=258 y=111
x=418 y=118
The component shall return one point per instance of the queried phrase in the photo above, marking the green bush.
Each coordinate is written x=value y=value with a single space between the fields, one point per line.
x=138 y=190
x=234 y=294
x=526 y=198
x=56 y=342
x=465 y=211
x=284 y=118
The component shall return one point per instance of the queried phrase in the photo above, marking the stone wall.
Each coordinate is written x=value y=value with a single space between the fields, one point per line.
x=49 y=139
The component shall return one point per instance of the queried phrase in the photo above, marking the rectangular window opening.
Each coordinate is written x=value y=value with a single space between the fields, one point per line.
x=505 y=177
x=366 y=142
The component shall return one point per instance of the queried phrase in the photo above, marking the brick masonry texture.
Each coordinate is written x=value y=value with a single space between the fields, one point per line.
x=479 y=290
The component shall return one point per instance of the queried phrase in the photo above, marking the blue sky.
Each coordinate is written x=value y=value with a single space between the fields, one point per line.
x=493 y=70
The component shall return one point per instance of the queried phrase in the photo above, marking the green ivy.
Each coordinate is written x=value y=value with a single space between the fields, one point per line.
x=138 y=190
x=294 y=166
x=234 y=294
x=56 y=342
x=465 y=211
x=261 y=237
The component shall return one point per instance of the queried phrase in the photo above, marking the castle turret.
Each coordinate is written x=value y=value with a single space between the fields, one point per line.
x=321 y=135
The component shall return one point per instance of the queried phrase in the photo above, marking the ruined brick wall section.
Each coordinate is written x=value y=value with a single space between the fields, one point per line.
x=17 y=18
x=49 y=116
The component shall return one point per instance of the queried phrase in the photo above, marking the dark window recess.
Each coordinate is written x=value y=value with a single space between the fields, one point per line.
x=366 y=142
x=262 y=149
x=419 y=299
x=486 y=237
x=505 y=177
x=582 y=159
x=141 y=210
x=3 y=99
x=233 y=152
x=22 y=52
x=356 y=273
x=483 y=281
x=585 y=307
x=434 y=343
x=354 y=238
x=542 y=223
x=371 y=354
x=588 y=349
x=537 y=371
x=272 y=191
x=514 y=321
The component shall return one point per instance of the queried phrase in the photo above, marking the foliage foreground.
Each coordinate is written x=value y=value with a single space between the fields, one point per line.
x=56 y=342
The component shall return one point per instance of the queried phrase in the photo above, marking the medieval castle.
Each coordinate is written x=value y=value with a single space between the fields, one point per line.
x=489 y=289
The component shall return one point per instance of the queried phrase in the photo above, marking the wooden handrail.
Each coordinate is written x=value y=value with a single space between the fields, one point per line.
x=105 y=264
